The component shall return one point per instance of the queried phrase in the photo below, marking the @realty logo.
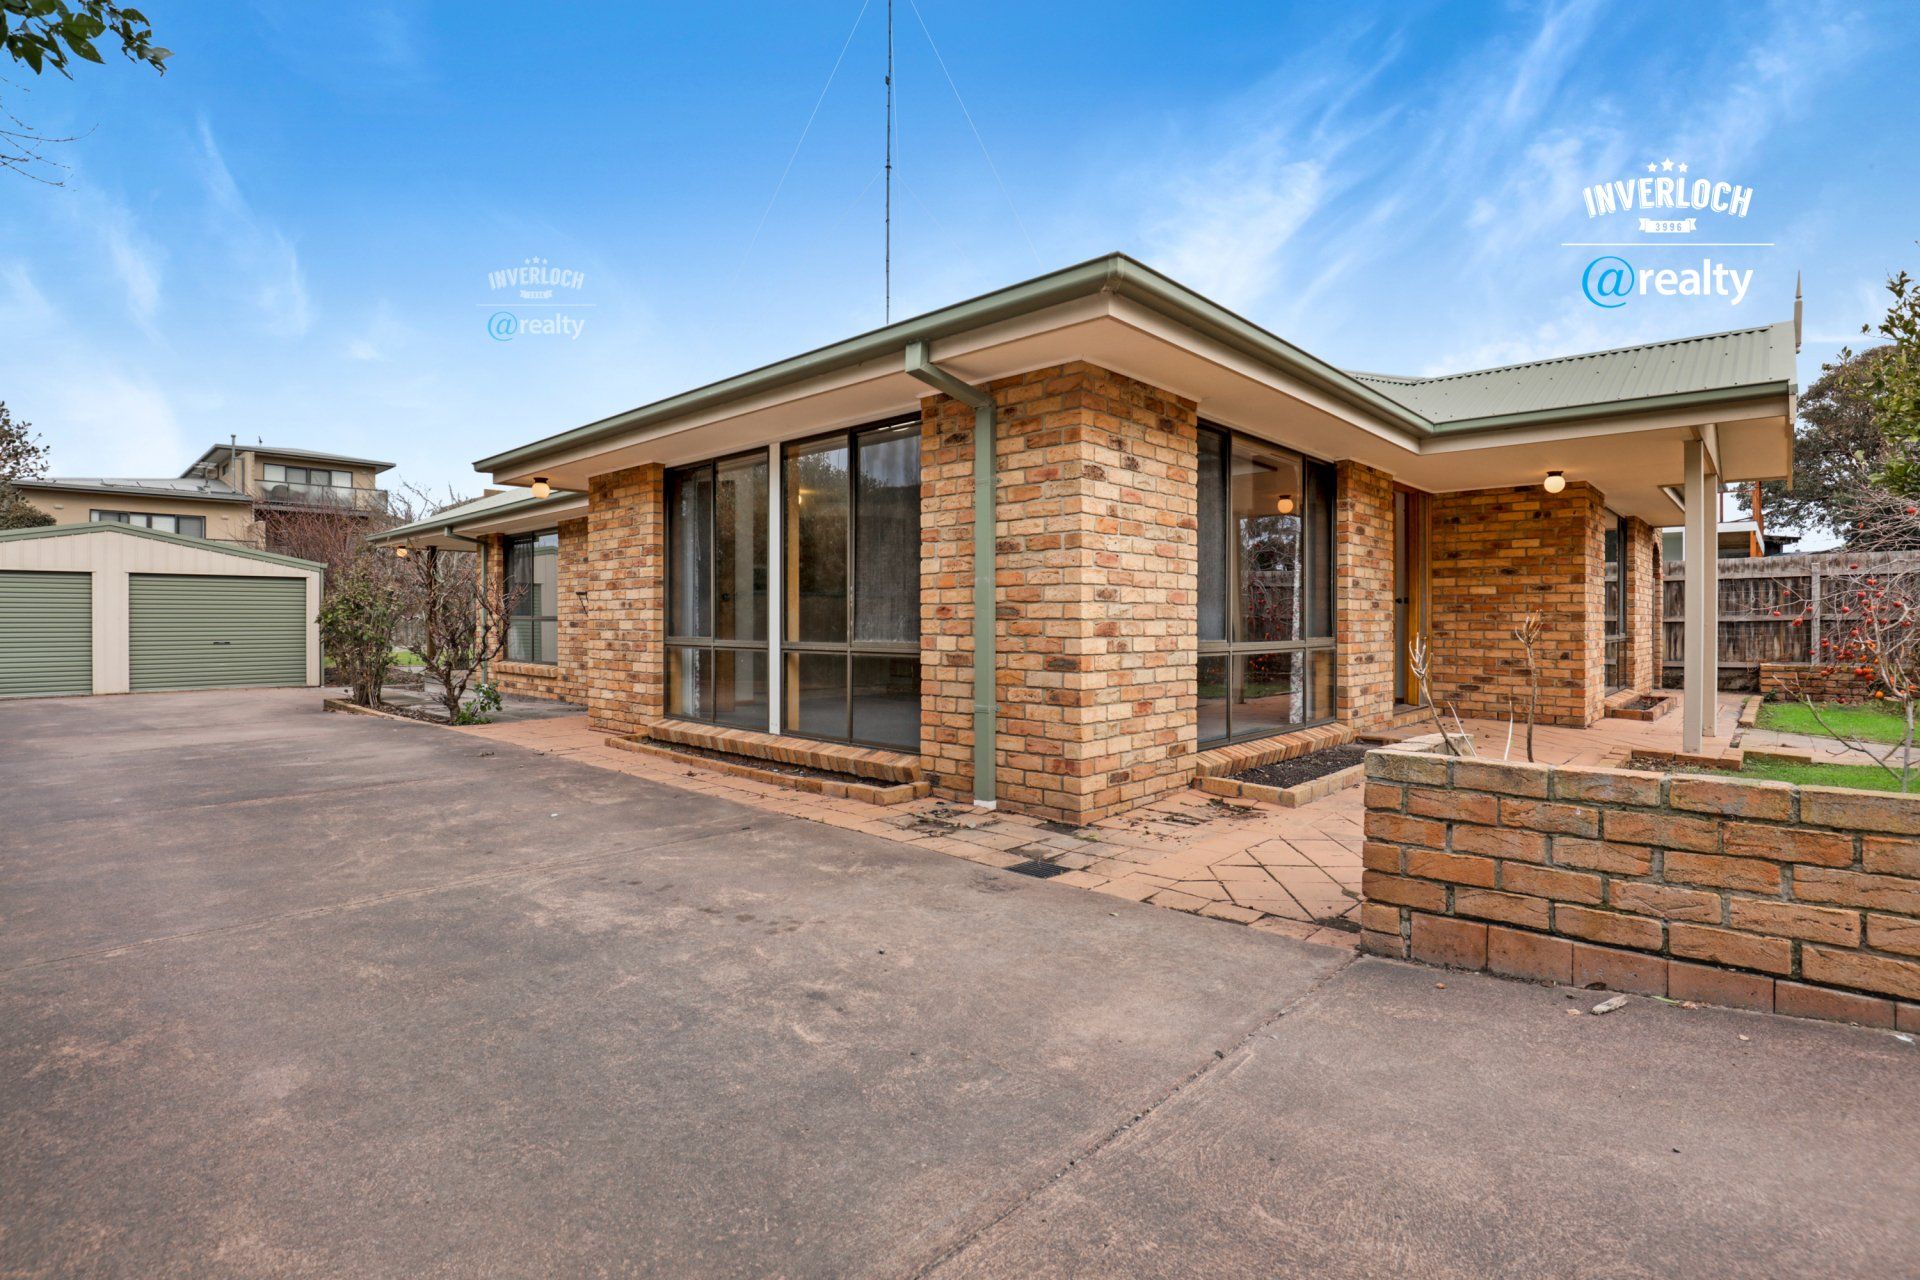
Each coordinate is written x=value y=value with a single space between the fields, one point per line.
x=1668 y=204
x=535 y=299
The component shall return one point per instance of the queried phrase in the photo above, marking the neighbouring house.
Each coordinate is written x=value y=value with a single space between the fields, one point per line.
x=1059 y=546
x=1739 y=538
x=232 y=493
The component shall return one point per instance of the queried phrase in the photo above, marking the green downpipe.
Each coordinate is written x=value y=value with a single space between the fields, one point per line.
x=986 y=657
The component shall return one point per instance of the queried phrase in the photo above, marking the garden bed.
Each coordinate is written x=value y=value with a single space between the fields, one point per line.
x=1293 y=782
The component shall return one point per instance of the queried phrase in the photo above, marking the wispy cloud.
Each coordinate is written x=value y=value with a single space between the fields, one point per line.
x=135 y=258
x=266 y=259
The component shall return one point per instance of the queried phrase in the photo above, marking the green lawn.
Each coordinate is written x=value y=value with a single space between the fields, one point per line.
x=1864 y=777
x=404 y=658
x=1872 y=721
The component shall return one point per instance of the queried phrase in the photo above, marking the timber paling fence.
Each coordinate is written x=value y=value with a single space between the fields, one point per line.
x=1750 y=592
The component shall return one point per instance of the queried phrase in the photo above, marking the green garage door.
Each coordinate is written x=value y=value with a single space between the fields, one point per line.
x=191 y=632
x=46 y=634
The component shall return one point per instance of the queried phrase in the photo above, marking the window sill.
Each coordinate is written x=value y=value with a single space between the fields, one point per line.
x=527 y=668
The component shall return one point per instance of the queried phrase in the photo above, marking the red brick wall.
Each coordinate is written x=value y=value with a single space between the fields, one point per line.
x=1497 y=555
x=1097 y=564
x=625 y=617
x=1823 y=682
x=1363 y=540
x=564 y=678
x=1758 y=894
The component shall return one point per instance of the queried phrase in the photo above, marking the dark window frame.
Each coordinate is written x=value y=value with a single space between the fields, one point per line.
x=145 y=519
x=709 y=643
x=1234 y=651
x=852 y=647
x=1613 y=625
x=531 y=596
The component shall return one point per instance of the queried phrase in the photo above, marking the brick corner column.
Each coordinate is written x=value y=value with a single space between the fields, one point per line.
x=1363 y=537
x=946 y=596
x=624 y=658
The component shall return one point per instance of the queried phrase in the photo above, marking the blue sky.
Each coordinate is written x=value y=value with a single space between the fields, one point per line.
x=288 y=235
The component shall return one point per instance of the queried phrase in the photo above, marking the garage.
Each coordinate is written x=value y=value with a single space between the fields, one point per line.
x=205 y=632
x=110 y=608
x=46 y=634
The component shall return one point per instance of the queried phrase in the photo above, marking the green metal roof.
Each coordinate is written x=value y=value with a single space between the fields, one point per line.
x=1742 y=364
x=492 y=506
x=199 y=544
x=1740 y=361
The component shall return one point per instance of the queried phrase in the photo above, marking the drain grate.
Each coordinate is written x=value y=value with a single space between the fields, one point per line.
x=1037 y=869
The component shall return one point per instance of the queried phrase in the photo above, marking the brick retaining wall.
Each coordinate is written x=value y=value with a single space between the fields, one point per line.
x=1802 y=900
x=1788 y=680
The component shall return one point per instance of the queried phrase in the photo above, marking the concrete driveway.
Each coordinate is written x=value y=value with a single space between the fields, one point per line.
x=288 y=993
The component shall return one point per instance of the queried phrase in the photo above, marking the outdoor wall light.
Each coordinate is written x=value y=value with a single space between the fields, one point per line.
x=541 y=488
x=401 y=553
x=1285 y=505
x=1556 y=481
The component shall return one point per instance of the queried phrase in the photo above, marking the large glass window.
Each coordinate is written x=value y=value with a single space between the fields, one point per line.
x=533 y=580
x=1266 y=589
x=1615 y=627
x=189 y=526
x=851 y=639
x=717 y=592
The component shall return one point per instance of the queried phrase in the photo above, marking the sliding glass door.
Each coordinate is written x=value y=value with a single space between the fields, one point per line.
x=851 y=634
x=1266 y=589
x=717 y=592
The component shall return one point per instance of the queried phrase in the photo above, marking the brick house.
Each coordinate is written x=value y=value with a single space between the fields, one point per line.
x=1204 y=540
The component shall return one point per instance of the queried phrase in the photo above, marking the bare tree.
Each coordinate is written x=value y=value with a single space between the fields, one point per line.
x=455 y=622
x=1870 y=618
x=1528 y=634
x=1458 y=743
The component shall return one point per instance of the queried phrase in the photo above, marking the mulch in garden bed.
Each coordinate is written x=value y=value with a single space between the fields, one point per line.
x=1315 y=764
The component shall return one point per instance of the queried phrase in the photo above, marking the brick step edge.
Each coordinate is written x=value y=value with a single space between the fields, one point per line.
x=865 y=762
x=1290 y=797
x=1450 y=943
x=353 y=708
x=882 y=793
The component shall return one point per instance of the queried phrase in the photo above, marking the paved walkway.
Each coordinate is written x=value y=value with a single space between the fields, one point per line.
x=1289 y=871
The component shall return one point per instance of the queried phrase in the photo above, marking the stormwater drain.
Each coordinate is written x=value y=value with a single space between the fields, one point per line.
x=1037 y=869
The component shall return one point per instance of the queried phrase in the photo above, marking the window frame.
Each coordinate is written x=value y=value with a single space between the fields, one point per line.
x=710 y=643
x=852 y=647
x=531 y=538
x=145 y=519
x=1613 y=622
x=1234 y=651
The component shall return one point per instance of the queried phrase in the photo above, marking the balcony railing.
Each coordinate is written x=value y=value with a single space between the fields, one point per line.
x=324 y=497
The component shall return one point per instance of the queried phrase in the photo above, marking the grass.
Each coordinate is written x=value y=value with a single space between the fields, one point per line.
x=1863 y=777
x=1871 y=721
x=405 y=658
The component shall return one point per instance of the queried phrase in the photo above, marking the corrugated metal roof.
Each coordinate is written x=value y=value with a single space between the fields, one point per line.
x=142 y=487
x=474 y=509
x=1710 y=362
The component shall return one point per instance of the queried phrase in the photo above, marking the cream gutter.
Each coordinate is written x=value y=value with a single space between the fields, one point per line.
x=986 y=710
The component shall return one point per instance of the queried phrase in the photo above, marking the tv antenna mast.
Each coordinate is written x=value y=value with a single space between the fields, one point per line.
x=888 y=266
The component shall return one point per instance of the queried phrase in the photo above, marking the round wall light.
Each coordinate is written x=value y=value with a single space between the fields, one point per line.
x=541 y=488
x=1556 y=481
x=1285 y=505
x=401 y=553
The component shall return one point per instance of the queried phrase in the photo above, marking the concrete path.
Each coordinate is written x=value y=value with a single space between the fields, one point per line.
x=286 y=993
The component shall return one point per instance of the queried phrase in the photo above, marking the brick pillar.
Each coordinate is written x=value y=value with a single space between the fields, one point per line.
x=1498 y=555
x=1640 y=579
x=1363 y=596
x=1098 y=573
x=625 y=642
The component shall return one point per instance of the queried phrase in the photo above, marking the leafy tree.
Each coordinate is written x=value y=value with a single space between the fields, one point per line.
x=50 y=34
x=23 y=456
x=358 y=618
x=1890 y=384
x=1839 y=450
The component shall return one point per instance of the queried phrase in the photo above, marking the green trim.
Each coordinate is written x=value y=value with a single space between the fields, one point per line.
x=446 y=522
x=198 y=544
x=986 y=604
x=1121 y=276
x=1613 y=408
x=1116 y=273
